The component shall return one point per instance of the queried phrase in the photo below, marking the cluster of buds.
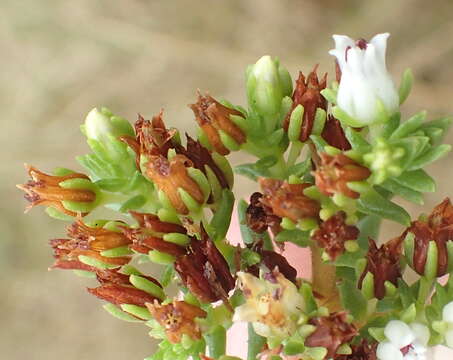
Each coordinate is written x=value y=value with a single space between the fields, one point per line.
x=427 y=243
x=102 y=246
x=219 y=124
x=67 y=192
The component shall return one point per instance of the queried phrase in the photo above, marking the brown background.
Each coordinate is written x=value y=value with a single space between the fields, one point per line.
x=60 y=58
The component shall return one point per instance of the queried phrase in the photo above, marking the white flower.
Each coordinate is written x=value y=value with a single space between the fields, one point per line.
x=447 y=316
x=364 y=78
x=405 y=342
x=273 y=307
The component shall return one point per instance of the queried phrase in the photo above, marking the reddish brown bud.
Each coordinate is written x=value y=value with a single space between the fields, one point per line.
x=384 y=264
x=143 y=243
x=169 y=176
x=212 y=117
x=334 y=173
x=308 y=94
x=152 y=138
x=205 y=271
x=178 y=319
x=334 y=135
x=259 y=216
x=331 y=332
x=45 y=190
x=361 y=351
x=333 y=233
x=288 y=200
x=152 y=223
x=273 y=260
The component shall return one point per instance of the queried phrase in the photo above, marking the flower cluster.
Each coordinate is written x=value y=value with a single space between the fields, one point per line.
x=332 y=161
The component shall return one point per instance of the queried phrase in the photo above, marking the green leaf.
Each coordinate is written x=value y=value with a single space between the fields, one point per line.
x=430 y=156
x=406 y=85
x=167 y=275
x=349 y=259
x=307 y=293
x=406 y=193
x=300 y=169
x=372 y=203
x=247 y=234
x=148 y=286
x=298 y=237
x=353 y=300
x=266 y=162
x=390 y=126
x=319 y=142
x=222 y=218
x=119 y=314
x=251 y=171
x=409 y=126
x=417 y=180
x=357 y=140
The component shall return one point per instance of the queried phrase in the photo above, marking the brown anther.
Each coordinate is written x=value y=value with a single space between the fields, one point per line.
x=213 y=117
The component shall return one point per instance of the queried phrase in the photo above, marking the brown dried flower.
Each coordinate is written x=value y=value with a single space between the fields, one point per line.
x=205 y=271
x=154 y=225
x=361 y=351
x=46 y=190
x=259 y=216
x=331 y=332
x=384 y=264
x=213 y=117
x=308 y=94
x=116 y=289
x=334 y=173
x=333 y=233
x=437 y=228
x=178 y=319
x=334 y=135
x=288 y=200
x=87 y=241
x=152 y=138
x=171 y=175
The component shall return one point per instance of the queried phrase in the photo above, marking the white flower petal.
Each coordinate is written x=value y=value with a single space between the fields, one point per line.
x=422 y=333
x=399 y=333
x=388 y=351
x=449 y=338
x=447 y=312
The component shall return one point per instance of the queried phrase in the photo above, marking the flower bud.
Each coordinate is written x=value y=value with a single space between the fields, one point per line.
x=177 y=319
x=334 y=173
x=331 y=332
x=333 y=233
x=383 y=264
x=267 y=85
x=307 y=94
x=365 y=82
x=216 y=121
x=99 y=124
x=71 y=193
x=288 y=200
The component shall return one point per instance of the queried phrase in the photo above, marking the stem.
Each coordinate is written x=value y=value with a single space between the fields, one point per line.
x=424 y=292
x=324 y=280
x=216 y=342
x=255 y=343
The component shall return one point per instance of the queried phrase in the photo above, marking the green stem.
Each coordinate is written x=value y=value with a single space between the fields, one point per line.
x=255 y=343
x=279 y=169
x=424 y=292
x=216 y=342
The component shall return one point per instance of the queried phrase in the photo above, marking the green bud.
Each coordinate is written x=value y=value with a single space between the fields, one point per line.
x=101 y=123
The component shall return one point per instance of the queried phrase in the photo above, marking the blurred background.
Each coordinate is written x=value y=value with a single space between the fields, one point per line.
x=61 y=58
